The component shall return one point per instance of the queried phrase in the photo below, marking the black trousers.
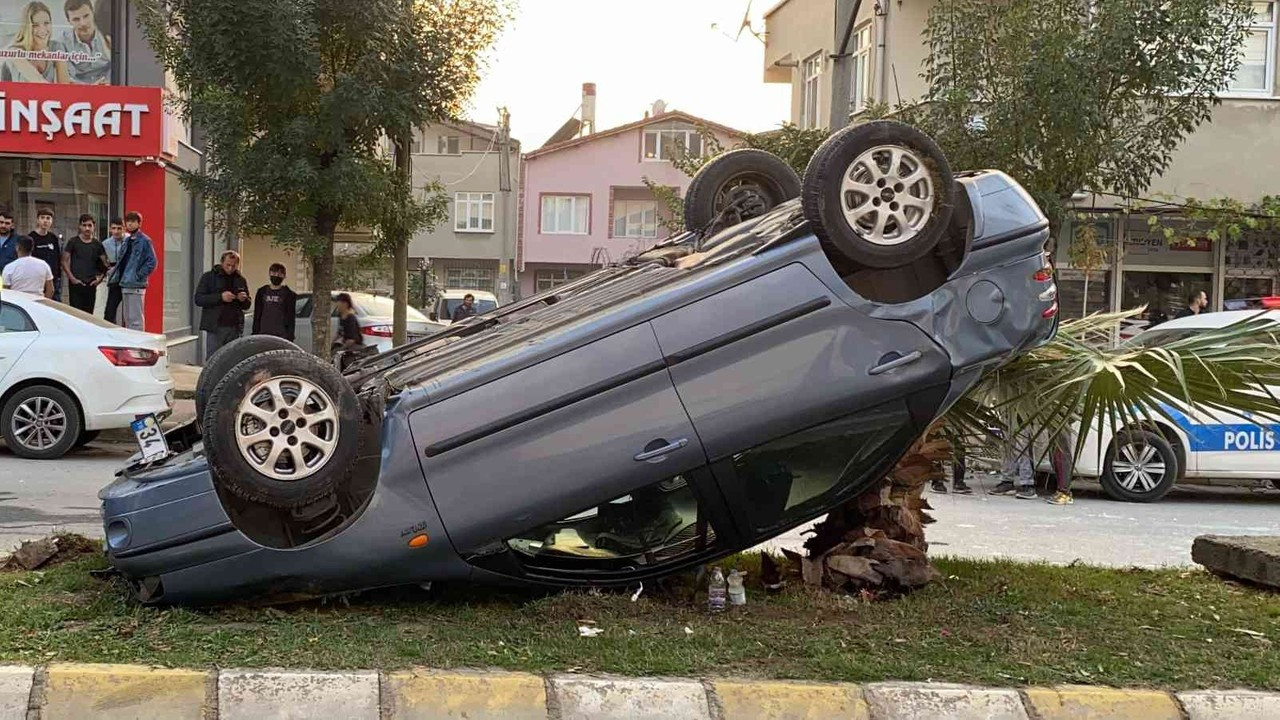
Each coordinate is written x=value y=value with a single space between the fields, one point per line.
x=82 y=297
x=113 y=304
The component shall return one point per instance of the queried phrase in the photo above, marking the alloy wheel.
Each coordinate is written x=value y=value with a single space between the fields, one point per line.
x=287 y=428
x=887 y=195
x=1138 y=467
x=39 y=423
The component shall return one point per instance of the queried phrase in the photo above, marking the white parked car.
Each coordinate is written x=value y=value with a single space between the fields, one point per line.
x=1197 y=447
x=449 y=301
x=66 y=375
x=375 y=315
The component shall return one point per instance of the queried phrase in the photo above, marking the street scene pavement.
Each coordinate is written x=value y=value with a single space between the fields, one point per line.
x=38 y=498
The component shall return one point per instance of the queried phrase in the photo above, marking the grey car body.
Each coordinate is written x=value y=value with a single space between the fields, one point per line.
x=752 y=382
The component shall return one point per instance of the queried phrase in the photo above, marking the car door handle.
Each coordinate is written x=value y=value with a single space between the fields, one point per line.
x=893 y=361
x=648 y=455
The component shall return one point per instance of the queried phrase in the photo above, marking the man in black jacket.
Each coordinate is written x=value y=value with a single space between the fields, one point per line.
x=223 y=296
x=275 y=307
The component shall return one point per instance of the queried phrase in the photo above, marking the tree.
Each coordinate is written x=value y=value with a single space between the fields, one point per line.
x=1066 y=95
x=296 y=100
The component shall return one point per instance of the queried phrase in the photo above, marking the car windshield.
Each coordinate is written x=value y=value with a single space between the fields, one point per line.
x=482 y=306
x=379 y=306
x=78 y=314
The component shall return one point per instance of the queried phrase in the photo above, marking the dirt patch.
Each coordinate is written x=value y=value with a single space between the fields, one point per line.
x=49 y=552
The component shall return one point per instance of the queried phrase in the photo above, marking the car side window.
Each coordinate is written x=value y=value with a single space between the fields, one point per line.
x=14 y=320
x=303 y=307
x=791 y=478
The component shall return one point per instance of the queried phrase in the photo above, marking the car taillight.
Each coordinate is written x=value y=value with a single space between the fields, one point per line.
x=377 y=331
x=1051 y=312
x=1271 y=303
x=130 y=357
x=1044 y=274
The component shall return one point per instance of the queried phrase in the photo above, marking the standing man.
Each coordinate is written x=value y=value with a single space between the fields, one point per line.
x=223 y=296
x=275 y=307
x=85 y=39
x=28 y=274
x=48 y=247
x=466 y=309
x=84 y=264
x=8 y=239
x=1196 y=303
x=349 y=337
x=108 y=294
x=137 y=262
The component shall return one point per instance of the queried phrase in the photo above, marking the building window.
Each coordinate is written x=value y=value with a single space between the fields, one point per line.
x=1256 y=73
x=468 y=278
x=668 y=144
x=417 y=145
x=545 y=280
x=861 y=91
x=473 y=212
x=635 y=219
x=809 y=92
x=448 y=145
x=566 y=214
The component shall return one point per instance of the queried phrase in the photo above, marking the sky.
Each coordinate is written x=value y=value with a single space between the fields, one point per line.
x=636 y=52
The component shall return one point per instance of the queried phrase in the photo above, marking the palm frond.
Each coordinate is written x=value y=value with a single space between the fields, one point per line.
x=1080 y=380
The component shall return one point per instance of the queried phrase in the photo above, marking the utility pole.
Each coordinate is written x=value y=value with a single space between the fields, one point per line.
x=400 y=264
x=509 y=231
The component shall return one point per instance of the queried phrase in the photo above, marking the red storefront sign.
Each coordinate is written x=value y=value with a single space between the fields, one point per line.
x=81 y=120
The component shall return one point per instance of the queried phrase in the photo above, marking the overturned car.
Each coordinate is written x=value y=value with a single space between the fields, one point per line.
x=727 y=385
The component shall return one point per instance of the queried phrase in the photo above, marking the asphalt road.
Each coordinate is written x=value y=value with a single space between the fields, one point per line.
x=37 y=498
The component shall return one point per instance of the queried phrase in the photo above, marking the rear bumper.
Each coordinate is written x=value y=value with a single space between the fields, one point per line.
x=144 y=399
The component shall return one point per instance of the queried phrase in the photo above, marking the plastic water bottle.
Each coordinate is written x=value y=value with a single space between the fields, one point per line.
x=737 y=590
x=717 y=591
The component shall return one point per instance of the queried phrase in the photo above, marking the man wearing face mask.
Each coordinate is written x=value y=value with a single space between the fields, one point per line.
x=274 y=307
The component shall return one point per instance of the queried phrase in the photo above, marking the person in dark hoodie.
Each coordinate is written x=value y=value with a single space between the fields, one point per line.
x=274 y=307
x=223 y=296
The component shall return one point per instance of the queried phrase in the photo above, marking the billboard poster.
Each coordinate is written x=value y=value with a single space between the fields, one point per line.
x=65 y=42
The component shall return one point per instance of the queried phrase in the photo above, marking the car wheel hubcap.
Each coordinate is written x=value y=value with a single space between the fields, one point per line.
x=39 y=423
x=287 y=428
x=887 y=195
x=1138 y=467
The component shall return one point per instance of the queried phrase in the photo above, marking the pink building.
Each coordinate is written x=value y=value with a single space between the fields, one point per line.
x=583 y=198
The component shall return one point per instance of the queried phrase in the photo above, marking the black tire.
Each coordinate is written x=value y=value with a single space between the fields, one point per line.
x=773 y=181
x=86 y=437
x=230 y=355
x=1129 y=487
x=58 y=438
x=825 y=200
x=293 y=485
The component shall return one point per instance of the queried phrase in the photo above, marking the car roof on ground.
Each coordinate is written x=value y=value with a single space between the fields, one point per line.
x=1211 y=320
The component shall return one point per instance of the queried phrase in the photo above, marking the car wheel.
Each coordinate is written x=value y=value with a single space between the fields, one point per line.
x=282 y=428
x=86 y=437
x=737 y=186
x=230 y=355
x=880 y=194
x=41 y=423
x=1140 y=466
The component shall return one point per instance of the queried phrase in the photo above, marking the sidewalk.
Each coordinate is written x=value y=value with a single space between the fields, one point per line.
x=124 y=691
x=184 y=381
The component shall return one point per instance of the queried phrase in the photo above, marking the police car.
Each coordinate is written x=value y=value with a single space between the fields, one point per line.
x=1197 y=447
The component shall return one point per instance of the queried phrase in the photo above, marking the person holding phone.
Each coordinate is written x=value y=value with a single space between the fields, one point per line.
x=223 y=296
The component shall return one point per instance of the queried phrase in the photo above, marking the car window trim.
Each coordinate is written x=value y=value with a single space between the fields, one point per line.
x=31 y=324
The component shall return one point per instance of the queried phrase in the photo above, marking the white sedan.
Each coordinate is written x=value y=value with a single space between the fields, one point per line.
x=1142 y=465
x=66 y=375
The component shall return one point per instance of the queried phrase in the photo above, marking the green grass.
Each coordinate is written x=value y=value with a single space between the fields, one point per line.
x=985 y=622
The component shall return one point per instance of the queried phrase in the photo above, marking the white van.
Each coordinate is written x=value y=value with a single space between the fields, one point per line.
x=449 y=301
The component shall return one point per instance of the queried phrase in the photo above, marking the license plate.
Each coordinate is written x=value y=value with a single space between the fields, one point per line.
x=150 y=438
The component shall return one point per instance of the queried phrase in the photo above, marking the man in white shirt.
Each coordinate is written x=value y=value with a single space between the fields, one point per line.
x=28 y=274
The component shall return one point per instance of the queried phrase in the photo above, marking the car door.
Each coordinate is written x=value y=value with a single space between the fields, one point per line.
x=1221 y=444
x=17 y=332
x=780 y=353
x=573 y=464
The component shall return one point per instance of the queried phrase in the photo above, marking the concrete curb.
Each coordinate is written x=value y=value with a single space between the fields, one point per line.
x=71 y=692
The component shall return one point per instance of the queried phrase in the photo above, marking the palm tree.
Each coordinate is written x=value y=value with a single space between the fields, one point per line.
x=1080 y=379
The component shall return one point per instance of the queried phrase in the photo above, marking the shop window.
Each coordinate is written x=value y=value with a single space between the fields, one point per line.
x=178 y=230
x=1078 y=297
x=67 y=187
x=1243 y=293
x=653 y=525
x=786 y=481
x=1165 y=294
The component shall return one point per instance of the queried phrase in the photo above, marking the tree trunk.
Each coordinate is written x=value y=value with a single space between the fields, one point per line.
x=875 y=542
x=400 y=262
x=322 y=264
